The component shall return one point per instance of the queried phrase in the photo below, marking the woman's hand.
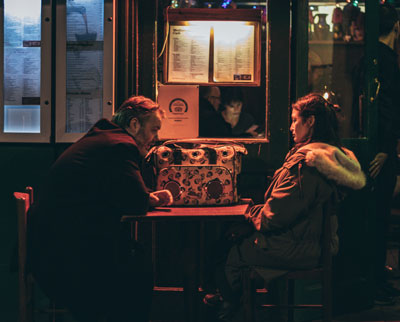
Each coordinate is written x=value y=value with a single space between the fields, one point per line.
x=160 y=198
x=376 y=164
x=252 y=130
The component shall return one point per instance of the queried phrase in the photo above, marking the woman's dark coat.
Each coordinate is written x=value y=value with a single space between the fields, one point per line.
x=288 y=226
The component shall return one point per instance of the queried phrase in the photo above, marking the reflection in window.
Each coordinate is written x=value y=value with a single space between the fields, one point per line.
x=22 y=36
x=216 y=120
x=231 y=112
x=336 y=45
x=84 y=64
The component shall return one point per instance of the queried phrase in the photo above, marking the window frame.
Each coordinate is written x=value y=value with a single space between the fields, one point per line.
x=45 y=78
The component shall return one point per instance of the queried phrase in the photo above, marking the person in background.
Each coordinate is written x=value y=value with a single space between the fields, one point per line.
x=211 y=123
x=383 y=166
x=241 y=122
x=284 y=232
x=78 y=251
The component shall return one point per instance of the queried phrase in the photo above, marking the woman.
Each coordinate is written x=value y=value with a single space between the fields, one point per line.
x=287 y=227
x=241 y=122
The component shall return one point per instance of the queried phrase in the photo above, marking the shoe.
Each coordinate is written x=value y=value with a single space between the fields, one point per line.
x=383 y=299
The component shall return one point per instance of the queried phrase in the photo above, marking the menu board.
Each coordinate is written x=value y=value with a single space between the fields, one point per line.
x=22 y=50
x=189 y=53
x=84 y=64
x=233 y=52
x=21 y=76
x=213 y=46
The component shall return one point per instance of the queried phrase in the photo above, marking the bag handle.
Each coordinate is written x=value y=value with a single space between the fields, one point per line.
x=198 y=143
x=202 y=141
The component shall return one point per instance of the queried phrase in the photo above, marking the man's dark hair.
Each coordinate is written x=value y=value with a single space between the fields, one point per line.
x=139 y=107
x=326 y=126
x=387 y=18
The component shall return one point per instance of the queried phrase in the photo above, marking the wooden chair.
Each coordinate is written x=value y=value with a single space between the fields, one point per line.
x=23 y=201
x=25 y=279
x=322 y=273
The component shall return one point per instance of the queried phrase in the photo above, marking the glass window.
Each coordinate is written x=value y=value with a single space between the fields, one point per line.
x=336 y=46
x=22 y=52
x=84 y=64
x=225 y=110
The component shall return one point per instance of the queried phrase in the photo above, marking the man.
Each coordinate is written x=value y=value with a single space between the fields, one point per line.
x=78 y=252
x=383 y=167
x=211 y=122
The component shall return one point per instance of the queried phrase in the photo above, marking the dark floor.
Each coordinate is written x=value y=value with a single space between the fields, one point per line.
x=379 y=313
x=374 y=314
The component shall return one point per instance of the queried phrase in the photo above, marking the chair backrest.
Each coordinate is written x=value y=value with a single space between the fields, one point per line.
x=29 y=191
x=326 y=236
x=23 y=202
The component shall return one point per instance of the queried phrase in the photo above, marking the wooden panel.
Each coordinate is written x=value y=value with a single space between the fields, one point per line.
x=204 y=14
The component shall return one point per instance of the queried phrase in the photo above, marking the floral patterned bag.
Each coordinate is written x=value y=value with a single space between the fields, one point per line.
x=198 y=171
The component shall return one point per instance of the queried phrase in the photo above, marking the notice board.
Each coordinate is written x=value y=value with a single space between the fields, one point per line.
x=181 y=104
x=212 y=46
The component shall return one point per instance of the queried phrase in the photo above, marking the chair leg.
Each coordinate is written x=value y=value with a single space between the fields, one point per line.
x=249 y=293
x=327 y=298
x=25 y=298
x=290 y=298
x=278 y=290
x=283 y=290
x=52 y=314
x=30 y=298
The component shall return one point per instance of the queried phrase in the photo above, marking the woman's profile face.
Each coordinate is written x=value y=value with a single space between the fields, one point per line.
x=300 y=128
x=234 y=108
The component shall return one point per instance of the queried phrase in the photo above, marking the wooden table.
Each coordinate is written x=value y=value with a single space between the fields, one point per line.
x=191 y=216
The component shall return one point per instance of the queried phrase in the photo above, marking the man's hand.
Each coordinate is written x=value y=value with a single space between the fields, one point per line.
x=161 y=198
x=376 y=164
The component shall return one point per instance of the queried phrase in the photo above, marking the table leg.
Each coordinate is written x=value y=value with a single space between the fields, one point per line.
x=191 y=271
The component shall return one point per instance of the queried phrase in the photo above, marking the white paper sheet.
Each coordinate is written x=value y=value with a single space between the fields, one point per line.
x=82 y=113
x=21 y=74
x=181 y=104
x=189 y=48
x=233 y=52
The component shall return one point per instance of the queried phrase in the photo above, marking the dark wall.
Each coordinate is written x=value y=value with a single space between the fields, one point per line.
x=20 y=166
x=24 y=165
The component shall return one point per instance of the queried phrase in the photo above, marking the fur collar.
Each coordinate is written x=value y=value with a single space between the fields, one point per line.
x=343 y=168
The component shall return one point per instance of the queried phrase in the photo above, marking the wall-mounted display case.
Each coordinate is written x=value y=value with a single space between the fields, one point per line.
x=85 y=62
x=25 y=72
x=36 y=106
x=213 y=46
